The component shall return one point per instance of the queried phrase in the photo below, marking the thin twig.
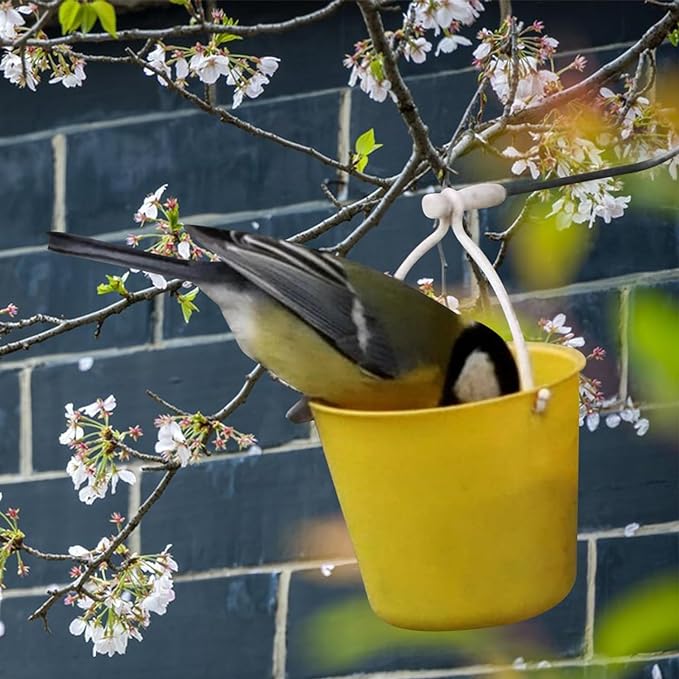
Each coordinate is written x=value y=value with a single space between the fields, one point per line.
x=94 y=317
x=514 y=75
x=47 y=556
x=189 y=30
x=651 y=39
x=405 y=103
x=35 y=28
x=77 y=585
x=250 y=381
x=330 y=195
x=226 y=117
x=139 y=455
x=505 y=236
x=172 y=408
x=9 y=326
x=379 y=210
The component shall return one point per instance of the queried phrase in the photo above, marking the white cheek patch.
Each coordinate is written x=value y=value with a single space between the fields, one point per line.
x=477 y=379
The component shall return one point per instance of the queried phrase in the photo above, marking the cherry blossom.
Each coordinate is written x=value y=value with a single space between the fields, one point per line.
x=171 y=441
x=17 y=73
x=416 y=50
x=156 y=60
x=74 y=432
x=450 y=43
x=100 y=407
x=149 y=208
x=73 y=77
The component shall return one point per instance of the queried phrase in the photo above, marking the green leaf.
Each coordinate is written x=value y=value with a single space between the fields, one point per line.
x=88 y=17
x=187 y=305
x=360 y=161
x=107 y=16
x=179 y=2
x=644 y=619
x=653 y=333
x=673 y=37
x=115 y=284
x=365 y=142
x=69 y=16
x=376 y=69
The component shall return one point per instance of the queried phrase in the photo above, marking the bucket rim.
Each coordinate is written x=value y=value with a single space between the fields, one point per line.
x=578 y=360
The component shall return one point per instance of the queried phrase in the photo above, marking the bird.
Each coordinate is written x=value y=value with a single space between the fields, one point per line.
x=338 y=332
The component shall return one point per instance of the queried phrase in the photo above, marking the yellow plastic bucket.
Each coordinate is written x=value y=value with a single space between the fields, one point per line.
x=464 y=516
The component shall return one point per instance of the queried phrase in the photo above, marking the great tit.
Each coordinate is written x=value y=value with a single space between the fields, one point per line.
x=334 y=330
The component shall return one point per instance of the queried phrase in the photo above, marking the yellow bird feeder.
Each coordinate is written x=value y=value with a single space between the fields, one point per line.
x=464 y=516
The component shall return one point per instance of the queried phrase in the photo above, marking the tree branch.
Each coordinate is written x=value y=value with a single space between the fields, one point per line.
x=189 y=30
x=406 y=105
x=651 y=39
x=231 y=119
x=77 y=585
x=94 y=317
x=394 y=191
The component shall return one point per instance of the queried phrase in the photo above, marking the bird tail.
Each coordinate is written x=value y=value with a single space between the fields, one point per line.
x=129 y=257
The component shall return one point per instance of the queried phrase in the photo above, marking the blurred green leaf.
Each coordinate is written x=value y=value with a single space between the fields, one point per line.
x=646 y=619
x=115 y=284
x=654 y=342
x=107 y=16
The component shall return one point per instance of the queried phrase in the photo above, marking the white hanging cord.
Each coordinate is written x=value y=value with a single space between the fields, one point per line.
x=448 y=207
x=427 y=244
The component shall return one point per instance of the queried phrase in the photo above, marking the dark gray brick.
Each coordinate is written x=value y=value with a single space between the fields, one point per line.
x=209 y=166
x=208 y=619
x=333 y=631
x=9 y=422
x=383 y=248
x=247 y=510
x=624 y=563
x=67 y=287
x=26 y=176
x=53 y=519
x=625 y=478
x=196 y=378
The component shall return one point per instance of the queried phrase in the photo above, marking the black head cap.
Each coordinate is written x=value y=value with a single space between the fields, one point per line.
x=480 y=367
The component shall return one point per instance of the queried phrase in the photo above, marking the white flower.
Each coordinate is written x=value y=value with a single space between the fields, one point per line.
x=575 y=342
x=124 y=475
x=450 y=43
x=425 y=281
x=606 y=93
x=377 y=90
x=171 y=440
x=641 y=426
x=613 y=420
x=77 y=626
x=482 y=51
x=592 y=421
x=77 y=470
x=149 y=208
x=327 y=569
x=72 y=78
x=79 y=552
x=110 y=641
x=74 y=431
x=208 y=67
x=9 y=20
x=184 y=249
x=161 y=595
x=105 y=407
x=519 y=166
x=13 y=70
x=157 y=280
x=557 y=325
x=417 y=50
x=182 y=68
x=268 y=65
x=92 y=492
x=156 y=60
x=611 y=207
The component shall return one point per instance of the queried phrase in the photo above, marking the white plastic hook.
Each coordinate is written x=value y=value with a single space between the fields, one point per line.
x=448 y=207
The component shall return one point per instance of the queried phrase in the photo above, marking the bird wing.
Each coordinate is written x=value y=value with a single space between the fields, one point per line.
x=313 y=286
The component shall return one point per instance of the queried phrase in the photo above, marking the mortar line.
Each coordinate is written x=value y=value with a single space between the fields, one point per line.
x=591 y=598
x=25 y=423
x=648 y=529
x=59 y=152
x=344 y=141
x=496 y=669
x=623 y=330
x=281 y=623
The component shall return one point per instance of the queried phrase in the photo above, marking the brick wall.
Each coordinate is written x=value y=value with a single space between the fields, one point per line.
x=252 y=532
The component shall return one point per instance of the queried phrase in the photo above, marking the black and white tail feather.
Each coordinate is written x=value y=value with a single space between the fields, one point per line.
x=312 y=285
